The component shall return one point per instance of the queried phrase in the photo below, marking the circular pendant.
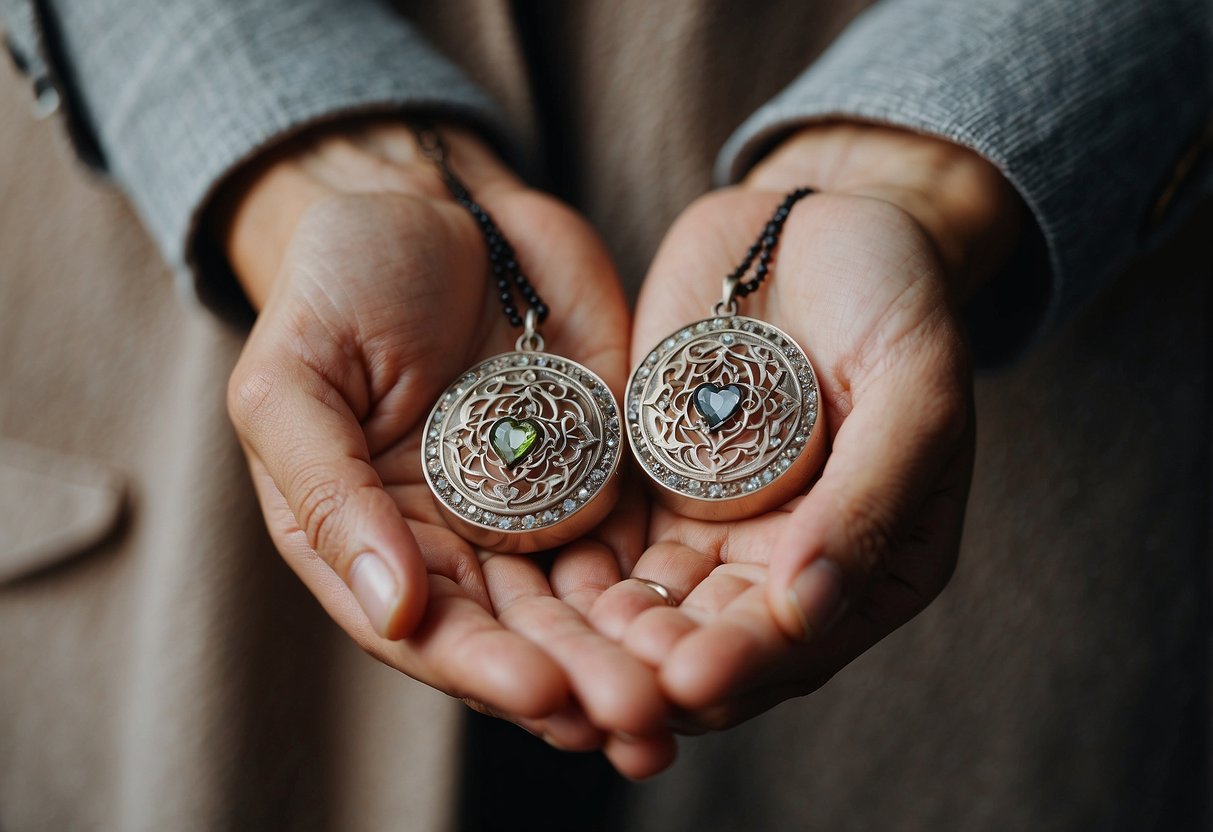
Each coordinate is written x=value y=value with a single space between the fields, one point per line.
x=521 y=453
x=724 y=416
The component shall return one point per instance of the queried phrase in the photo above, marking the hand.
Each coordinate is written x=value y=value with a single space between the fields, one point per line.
x=867 y=278
x=375 y=293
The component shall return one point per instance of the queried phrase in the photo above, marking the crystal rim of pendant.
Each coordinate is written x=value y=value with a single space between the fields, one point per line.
x=576 y=509
x=782 y=477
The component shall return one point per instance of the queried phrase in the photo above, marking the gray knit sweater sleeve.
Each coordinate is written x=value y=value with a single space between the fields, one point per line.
x=171 y=96
x=1087 y=107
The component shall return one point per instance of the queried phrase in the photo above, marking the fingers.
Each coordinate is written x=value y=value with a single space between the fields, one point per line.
x=717 y=643
x=654 y=633
x=569 y=729
x=297 y=425
x=686 y=560
x=638 y=758
x=728 y=653
x=459 y=647
x=906 y=428
x=723 y=646
x=616 y=690
x=677 y=567
x=583 y=571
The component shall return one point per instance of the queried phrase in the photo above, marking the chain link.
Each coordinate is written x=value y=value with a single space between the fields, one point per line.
x=502 y=260
x=763 y=249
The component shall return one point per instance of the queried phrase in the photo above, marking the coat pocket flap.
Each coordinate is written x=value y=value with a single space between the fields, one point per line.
x=52 y=506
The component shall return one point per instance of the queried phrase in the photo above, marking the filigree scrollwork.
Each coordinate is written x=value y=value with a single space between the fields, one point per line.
x=574 y=452
x=752 y=443
x=563 y=455
x=765 y=412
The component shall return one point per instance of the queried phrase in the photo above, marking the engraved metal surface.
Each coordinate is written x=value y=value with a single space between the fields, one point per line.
x=761 y=438
x=574 y=456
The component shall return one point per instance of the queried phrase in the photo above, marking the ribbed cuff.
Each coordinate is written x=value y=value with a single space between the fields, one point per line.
x=179 y=99
x=1084 y=105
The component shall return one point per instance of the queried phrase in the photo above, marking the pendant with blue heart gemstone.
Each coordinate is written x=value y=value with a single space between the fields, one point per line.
x=716 y=404
x=725 y=365
x=724 y=416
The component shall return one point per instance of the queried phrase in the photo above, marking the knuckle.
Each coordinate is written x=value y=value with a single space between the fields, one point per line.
x=250 y=392
x=320 y=509
x=466 y=566
x=871 y=532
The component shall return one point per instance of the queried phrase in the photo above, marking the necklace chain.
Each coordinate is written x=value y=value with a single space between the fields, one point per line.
x=509 y=275
x=502 y=259
x=763 y=248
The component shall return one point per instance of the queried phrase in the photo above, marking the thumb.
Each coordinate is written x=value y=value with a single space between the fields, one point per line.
x=887 y=461
x=301 y=430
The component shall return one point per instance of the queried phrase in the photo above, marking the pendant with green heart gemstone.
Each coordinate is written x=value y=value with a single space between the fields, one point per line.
x=522 y=451
x=499 y=478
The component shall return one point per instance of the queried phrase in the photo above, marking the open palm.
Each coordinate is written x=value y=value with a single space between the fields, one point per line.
x=857 y=283
x=382 y=300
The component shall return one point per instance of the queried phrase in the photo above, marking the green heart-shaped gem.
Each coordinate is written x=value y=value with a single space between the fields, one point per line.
x=513 y=439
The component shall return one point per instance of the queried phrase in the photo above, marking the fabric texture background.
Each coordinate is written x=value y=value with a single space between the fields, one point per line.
x=162 y=669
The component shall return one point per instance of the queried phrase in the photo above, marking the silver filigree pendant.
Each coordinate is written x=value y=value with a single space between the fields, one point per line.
x=522 y=452
x=725 y=417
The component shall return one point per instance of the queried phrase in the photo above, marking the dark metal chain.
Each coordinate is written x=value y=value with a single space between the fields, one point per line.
x=502 y=259
x=764 y=247
x=508 y=273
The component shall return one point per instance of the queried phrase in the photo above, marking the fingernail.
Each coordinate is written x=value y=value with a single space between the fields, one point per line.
x=815 y=596
x=374 y=585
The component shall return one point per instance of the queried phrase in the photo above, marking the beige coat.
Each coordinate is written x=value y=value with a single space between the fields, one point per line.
x=161 y=669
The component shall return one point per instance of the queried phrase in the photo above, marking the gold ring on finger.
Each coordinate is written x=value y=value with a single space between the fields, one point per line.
x=662 y=592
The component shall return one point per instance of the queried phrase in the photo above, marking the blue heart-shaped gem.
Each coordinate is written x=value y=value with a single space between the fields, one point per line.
x=716 y=404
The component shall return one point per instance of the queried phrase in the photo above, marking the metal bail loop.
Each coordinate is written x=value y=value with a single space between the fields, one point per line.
x=530 y=340
x=727 y=305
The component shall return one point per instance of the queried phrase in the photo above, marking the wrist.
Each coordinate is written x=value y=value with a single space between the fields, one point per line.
x=258 y=208
x=961 y=201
